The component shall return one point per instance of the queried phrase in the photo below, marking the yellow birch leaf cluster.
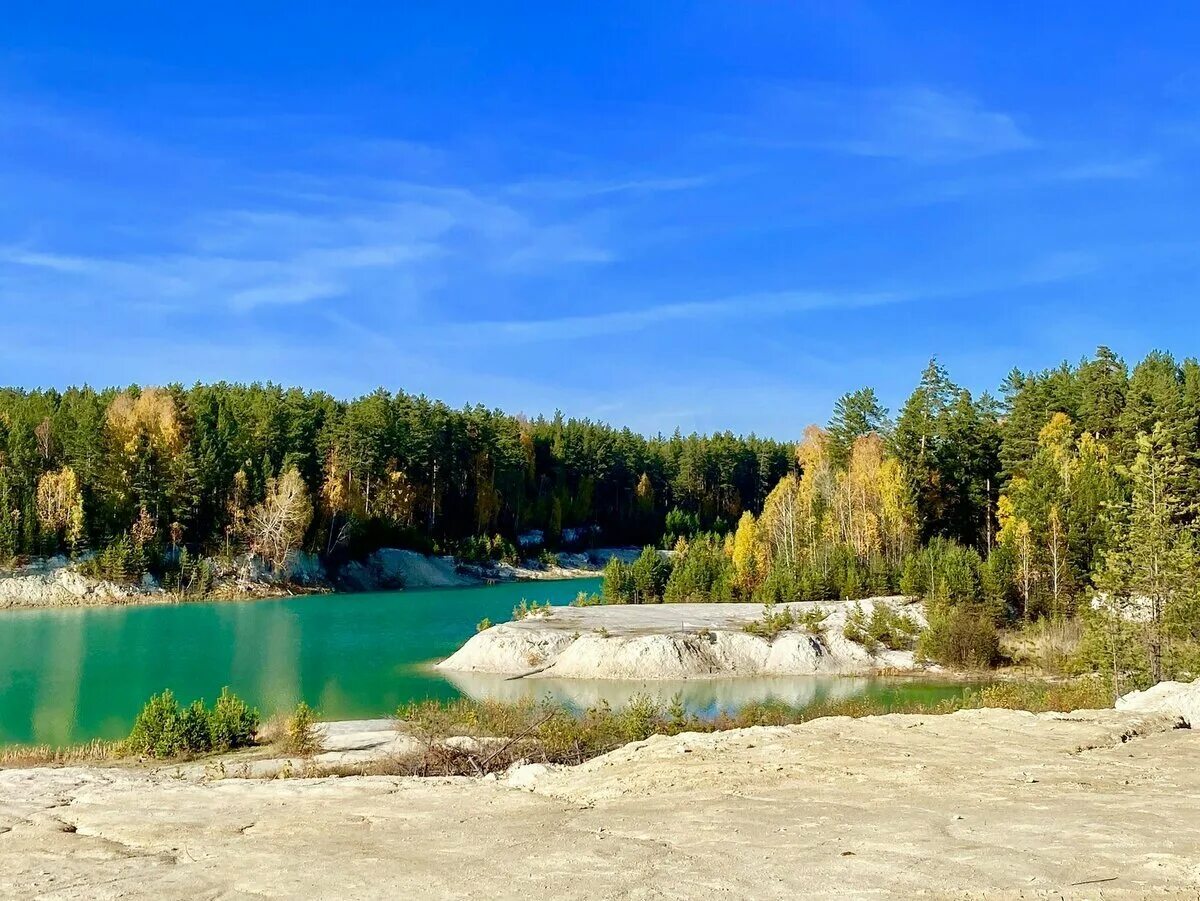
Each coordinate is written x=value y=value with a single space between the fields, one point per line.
x=60 y=503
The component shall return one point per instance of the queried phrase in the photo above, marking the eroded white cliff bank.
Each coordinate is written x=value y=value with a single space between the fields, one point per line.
x=677 y=641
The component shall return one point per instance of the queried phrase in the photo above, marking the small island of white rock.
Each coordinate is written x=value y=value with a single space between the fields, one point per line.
x=678 y=641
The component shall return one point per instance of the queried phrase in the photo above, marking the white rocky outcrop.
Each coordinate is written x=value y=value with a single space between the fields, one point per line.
x=57 y=582
x=53 y=583
x=674 y=641
x=1179 y=698
x=250 y=573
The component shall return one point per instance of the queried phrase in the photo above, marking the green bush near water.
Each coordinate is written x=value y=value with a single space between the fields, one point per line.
x=884 y=627
x=529 y=608
x=773 y=623
x=960 y=637
x=232 y=723
x=166 y=729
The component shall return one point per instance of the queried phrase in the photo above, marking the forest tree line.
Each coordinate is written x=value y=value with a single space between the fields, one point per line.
x=225 y=468
x=1071 y=492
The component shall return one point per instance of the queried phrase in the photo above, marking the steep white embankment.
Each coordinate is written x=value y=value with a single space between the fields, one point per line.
x=1178 y=698
x=674 y=641
x=57 y=582
x=51 y=583
x=567 y=566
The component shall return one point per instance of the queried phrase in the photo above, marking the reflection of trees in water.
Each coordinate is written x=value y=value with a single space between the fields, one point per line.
x=705 y=697
x=53 y=715
x=276 y=643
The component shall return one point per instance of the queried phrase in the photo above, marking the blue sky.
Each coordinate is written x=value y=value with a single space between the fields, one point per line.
x=696 y=215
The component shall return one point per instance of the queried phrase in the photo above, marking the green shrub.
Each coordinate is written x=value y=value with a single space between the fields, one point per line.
x=121 y=560
x=960 y=637
x=232 y=722
x=813 y=620
x=837 y=573
x=773 y=622
x=884 y=627
x=195 y=729
x=701 y=572
x=856 y=628
x=650 y=573
x=678 y=525
x=528 y=608
x=583 y=599
x=640 y=717
x=617 y=587
x=165 y=729
x=482 y=549
x=780 y=586
x=483 y=625
x=943 y=572
x=1112 y=646
x=188 y=576
x=158 y=729
x=641 y=582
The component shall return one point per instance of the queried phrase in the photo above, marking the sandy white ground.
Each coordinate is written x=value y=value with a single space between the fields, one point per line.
x=674 y=641
x=983 y=803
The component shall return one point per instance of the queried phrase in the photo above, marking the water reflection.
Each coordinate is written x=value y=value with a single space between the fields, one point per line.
x=702 y=697
x=72 y=675
x=58 y=694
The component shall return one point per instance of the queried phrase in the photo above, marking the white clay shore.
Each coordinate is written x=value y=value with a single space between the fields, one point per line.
x=675 y=641
x=976 y=804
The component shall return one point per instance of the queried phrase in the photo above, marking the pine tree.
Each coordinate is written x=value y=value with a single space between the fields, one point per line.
x=855 y=414
x=1103 y=382
x=1153 y=565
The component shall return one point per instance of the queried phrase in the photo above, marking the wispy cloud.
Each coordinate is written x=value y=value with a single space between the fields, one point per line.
x=919 y=124
x=584 y=188
x=1109 y=170
x=412 y=237
x=625 y=321
x=929 y=125
x=764 y=306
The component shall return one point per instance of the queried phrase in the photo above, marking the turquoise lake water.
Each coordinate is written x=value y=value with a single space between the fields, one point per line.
x=74 y=674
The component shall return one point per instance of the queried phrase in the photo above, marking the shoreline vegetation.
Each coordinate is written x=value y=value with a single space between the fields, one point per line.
x=470 y=737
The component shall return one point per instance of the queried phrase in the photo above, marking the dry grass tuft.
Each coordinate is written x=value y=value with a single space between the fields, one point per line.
x=1045 y=646
x=96 y=751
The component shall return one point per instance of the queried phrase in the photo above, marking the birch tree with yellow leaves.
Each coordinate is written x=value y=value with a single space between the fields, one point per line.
x=60 y=505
